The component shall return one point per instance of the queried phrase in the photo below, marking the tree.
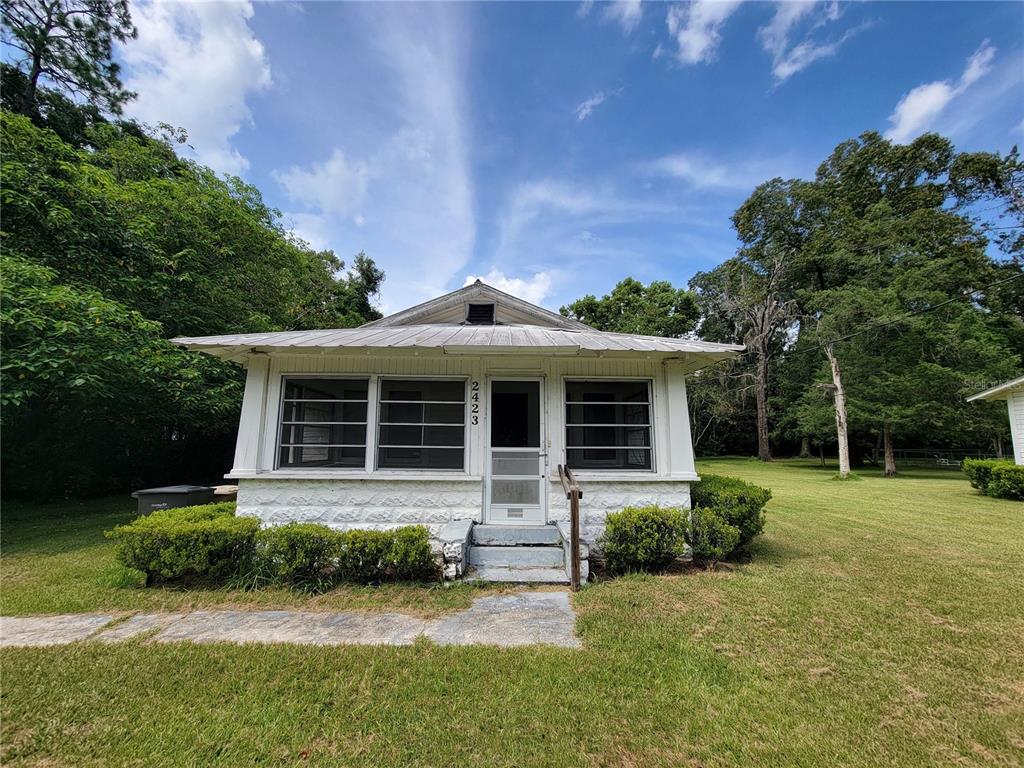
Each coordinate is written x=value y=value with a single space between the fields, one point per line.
x=69 y=43
x=109 y=251
x=658 y=309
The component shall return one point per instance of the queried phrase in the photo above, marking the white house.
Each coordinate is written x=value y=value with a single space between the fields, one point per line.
x=455 y=414
x=1013 y=393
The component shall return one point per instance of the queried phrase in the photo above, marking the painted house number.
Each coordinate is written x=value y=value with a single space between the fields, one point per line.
x=474 y=406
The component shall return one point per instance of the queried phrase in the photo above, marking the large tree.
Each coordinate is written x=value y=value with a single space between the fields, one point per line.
x=69 y=44
x=657 y=309
x=108 y=252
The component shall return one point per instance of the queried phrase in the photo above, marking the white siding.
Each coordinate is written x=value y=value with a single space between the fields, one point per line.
x=1015 y=404
x=276 y=495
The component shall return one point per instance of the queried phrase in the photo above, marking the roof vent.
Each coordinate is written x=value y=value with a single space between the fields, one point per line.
x=480 y=314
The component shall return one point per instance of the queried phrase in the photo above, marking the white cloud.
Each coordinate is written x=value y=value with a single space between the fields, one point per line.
x=406 y=198
x=625 y=13
x=586 y=108
x=194 y=65
x=533 y=290
x=776 y=36
x=335 y=186
x=701 y=172
x=919 y=108
x=697 y=28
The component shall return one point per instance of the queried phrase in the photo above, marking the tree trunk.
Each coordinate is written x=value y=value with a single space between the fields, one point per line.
x=28 y=98
x=840 y=406
x=999 y=446
x=890 y=457
x=805 y=447
x=764 y=450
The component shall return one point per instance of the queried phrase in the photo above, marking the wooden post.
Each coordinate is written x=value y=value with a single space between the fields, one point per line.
x=573 y=494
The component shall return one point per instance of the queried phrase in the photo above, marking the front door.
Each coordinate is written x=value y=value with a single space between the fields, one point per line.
x=516 y=462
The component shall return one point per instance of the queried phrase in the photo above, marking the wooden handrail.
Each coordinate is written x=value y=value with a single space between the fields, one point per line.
x=573 y=494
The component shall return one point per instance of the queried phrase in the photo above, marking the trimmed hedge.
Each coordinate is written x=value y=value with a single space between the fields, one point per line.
x=979 y=471
x=998 y=478
x=739 y=503
x=1007 y=482
x=189 y=543
x=710 y=535
x=645 y=539
x=210 y=543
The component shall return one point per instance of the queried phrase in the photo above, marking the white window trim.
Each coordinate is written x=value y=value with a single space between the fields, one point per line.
x=613 y=473
x=279 y=420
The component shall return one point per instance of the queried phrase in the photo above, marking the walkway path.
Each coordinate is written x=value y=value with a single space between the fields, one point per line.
x=525 y=618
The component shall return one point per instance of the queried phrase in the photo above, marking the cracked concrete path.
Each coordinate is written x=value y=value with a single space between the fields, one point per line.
x=525 y=618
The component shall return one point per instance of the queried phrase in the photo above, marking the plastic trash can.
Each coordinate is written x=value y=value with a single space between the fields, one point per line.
x=171 y=496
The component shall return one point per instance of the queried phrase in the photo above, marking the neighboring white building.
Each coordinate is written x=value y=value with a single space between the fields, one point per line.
x=456 y=413
x=1013 y=393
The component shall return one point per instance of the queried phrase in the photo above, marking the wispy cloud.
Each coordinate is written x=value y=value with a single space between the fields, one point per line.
x=625 y=13
x=586 y=108
x=534 y=289
x=696 y=28
x=701 y=172
x=195 y=65
x=776 y=37
x=919 y=108
x=408 y=201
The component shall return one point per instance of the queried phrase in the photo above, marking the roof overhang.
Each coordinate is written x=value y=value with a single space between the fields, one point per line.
x=1000 y=391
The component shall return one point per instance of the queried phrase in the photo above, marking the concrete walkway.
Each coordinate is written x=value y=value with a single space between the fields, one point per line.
x=526 y=618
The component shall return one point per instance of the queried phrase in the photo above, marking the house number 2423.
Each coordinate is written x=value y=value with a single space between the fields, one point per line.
x=474 y=403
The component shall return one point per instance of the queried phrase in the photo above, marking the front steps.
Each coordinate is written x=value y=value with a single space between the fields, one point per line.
x=521 y=554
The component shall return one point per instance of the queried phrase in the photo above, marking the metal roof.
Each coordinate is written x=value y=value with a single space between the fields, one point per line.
x=461 y=339
x=1000 y=392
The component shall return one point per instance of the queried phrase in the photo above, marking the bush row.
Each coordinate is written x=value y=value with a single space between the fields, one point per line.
x=210 y=544
x=996 y=477
x=727 y=514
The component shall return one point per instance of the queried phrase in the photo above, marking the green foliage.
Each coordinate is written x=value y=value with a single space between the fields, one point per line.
x=710 y=536
x=410 y=558
x=205 y=543
x=740 y=503
x=69 y=43
x=979 y=471
x=1007 y=482
x=645 y=539
x=302 y=555
x=658 y=309
x=109 y=251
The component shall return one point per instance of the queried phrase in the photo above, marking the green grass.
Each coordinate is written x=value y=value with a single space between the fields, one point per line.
x=57 y=560
x=879 y=624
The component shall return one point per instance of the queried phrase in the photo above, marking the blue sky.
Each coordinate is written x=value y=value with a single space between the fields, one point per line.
x=555 y=148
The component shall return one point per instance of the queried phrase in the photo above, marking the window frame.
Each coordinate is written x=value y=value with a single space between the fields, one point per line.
x=280 y=425
x=651 y=426
x=374 y=464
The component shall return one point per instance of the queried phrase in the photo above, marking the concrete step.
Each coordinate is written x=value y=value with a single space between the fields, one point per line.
x=515 y=535
x=518 y=575
x=518 y=557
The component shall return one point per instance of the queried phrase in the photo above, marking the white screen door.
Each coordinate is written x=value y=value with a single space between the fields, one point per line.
x=517 y=461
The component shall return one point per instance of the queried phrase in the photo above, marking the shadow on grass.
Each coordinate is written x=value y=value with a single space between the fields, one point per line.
x=49 y=529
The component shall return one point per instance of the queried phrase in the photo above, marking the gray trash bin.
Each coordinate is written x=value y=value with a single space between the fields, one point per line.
x=171 y=496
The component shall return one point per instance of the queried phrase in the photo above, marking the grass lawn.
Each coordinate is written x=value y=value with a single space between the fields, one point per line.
x=880 y=623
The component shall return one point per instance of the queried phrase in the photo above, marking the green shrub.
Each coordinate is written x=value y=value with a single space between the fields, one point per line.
x=642 y=539
x=710 y=535
x=410 y=558
x=740 y=503
x=364 y=556
x=202 y=543
x=1007 y=482
x=979 y=471
x=301 y=555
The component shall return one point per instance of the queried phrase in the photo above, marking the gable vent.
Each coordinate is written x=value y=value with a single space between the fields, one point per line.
x=480 y=314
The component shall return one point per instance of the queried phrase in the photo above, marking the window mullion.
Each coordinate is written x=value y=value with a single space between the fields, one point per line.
x=372 y=422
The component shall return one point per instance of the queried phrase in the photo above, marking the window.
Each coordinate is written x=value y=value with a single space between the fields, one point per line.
x=422 y=424
x=323 y=423
x=608 y=425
